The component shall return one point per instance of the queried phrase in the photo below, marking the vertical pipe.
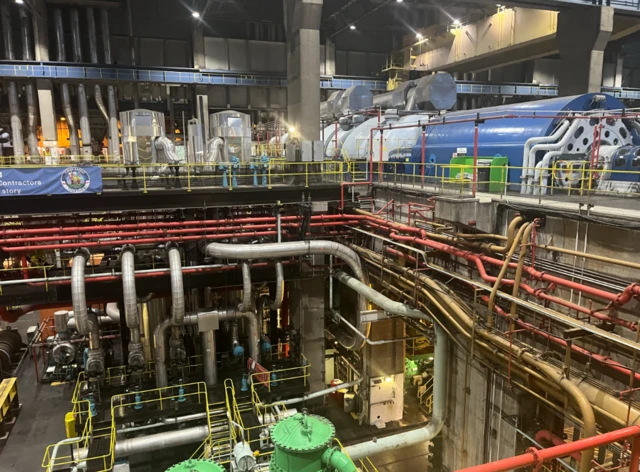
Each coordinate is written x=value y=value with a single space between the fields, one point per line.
x=635 y=455
x=93 y=52
x=114 y=141
x=424 y=151
x=12 y=89
x=64 y=88
x=209 y=358
x=83 y=109
x=32 y=103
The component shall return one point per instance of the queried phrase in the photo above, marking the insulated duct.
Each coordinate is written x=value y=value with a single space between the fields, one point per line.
x=303 y=248
x=203 y=319
x=74 y=144
x=32 y=102
x=136 y=355
x=352 y=99
x=216 y=151
x=433 y=92
x=83 y=109
x=246 y=288
x=114 y=141
x=279 y=295
x=93 y=52
x=14 y=105
x=210 y=367
x=177 y=349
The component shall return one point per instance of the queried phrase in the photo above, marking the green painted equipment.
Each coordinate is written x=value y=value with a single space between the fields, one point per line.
x=193 y=465
x=303 y=444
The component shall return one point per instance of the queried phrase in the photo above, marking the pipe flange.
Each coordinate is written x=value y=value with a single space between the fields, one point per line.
x=83 y=251
x=171 y=245
x=128 y=247
x=95 y=363
x=136 y=356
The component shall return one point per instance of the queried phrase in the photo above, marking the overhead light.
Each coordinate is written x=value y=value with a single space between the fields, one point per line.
x=20 y=2
x=399 y=1
x=456 y=22
x=195 y=14
x=292 y=129
x=419 y=36
x=388 y=379
x=352 y=27
x=62 y=118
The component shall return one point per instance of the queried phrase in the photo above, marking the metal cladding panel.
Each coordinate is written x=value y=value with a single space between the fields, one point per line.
x=505 y=136
x=238 y=54
x=277 y=57
x=120 y=50
x=342 y=63
x=151 y=52
x=176 y=53
x=238 y=97
x=357 y=63
x=217 y=96
x=258 y=97
x=258 y=56
x=216 y=53
x=278 y=97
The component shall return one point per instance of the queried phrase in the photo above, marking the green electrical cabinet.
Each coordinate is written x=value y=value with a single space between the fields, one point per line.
x=492 y=172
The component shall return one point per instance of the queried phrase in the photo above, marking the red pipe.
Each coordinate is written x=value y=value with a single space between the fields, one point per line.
x=166 y=224
x=546 y=435
x=536 y=457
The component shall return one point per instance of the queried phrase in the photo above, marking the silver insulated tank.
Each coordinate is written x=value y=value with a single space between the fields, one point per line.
x=235 y=128
x=140 y=128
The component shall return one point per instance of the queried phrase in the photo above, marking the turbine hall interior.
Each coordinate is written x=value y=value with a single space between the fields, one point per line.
x=319 y=236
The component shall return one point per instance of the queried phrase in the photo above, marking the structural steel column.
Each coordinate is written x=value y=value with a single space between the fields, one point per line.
x=302 y=24
x=583 y=33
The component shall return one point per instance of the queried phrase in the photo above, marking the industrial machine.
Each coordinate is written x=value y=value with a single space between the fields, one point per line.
x=230 y=135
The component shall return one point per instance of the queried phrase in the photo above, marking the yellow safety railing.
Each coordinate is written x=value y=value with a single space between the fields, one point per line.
x=272 y=378
x=363 y=464
x=425 y=395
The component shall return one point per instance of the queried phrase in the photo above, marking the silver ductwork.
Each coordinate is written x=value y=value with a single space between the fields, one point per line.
x=93 y=52
x=114 y=139
x=352 y=99
x=246 y=288
x=177 y=351
x=83 y=109
x=12 y=89
x=130 y=298
x=86 y=323
x=74 y=144
x=216 y=151
x=203 y=318
x=279 y=295
x=433 y=92
x=303 y=248
x=32 y=102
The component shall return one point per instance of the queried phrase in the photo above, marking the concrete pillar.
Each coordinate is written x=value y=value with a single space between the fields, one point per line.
x=329 y=57
x=302 y=22
x=307 y=308
x=583 y=33
x=617 y=78
x=48 y=118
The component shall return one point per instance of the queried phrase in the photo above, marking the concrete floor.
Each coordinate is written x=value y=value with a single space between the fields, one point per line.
x=41 y=421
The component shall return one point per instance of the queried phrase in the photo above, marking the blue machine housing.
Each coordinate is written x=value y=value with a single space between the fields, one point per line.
x=627 y=160
x=502 y=137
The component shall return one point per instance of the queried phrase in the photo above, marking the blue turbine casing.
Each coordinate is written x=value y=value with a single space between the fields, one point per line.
x=505 y=137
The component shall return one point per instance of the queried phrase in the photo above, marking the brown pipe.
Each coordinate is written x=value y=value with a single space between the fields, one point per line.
x=524 y=248
x=503 y=270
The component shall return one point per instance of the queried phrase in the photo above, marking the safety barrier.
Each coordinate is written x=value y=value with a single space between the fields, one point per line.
x=363 y=464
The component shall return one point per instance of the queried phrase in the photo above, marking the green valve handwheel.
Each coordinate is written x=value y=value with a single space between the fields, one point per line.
x=194 y=465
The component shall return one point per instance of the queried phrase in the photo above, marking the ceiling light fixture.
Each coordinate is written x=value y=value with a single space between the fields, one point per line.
x=419 y=36
x=195 y=14
x=352 y=27
x=456 y=22
x=20 y=2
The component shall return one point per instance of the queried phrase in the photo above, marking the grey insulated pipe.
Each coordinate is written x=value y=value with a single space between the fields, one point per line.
x=246 y=288
x=136 y=355
x=32 y=103
x=74 y=144
x=78 y=294
x=177 y=287
x=83 y=109
x=277 y=301
x=303 y=248
x=93 y=52
x=12 y=89
x=159 y=337
x=114 y=141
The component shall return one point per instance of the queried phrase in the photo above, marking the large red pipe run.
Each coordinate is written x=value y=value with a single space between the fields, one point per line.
x=536 y=457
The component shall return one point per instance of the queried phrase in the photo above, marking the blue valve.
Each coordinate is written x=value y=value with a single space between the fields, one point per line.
x=181 y=397
x=274 y=380
x=138 y=405
x=238 y=351
x=92 y=407
x=245 y=383
x=233 y=169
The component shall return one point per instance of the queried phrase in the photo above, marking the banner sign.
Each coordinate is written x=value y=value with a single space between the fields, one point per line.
x=50 y=181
